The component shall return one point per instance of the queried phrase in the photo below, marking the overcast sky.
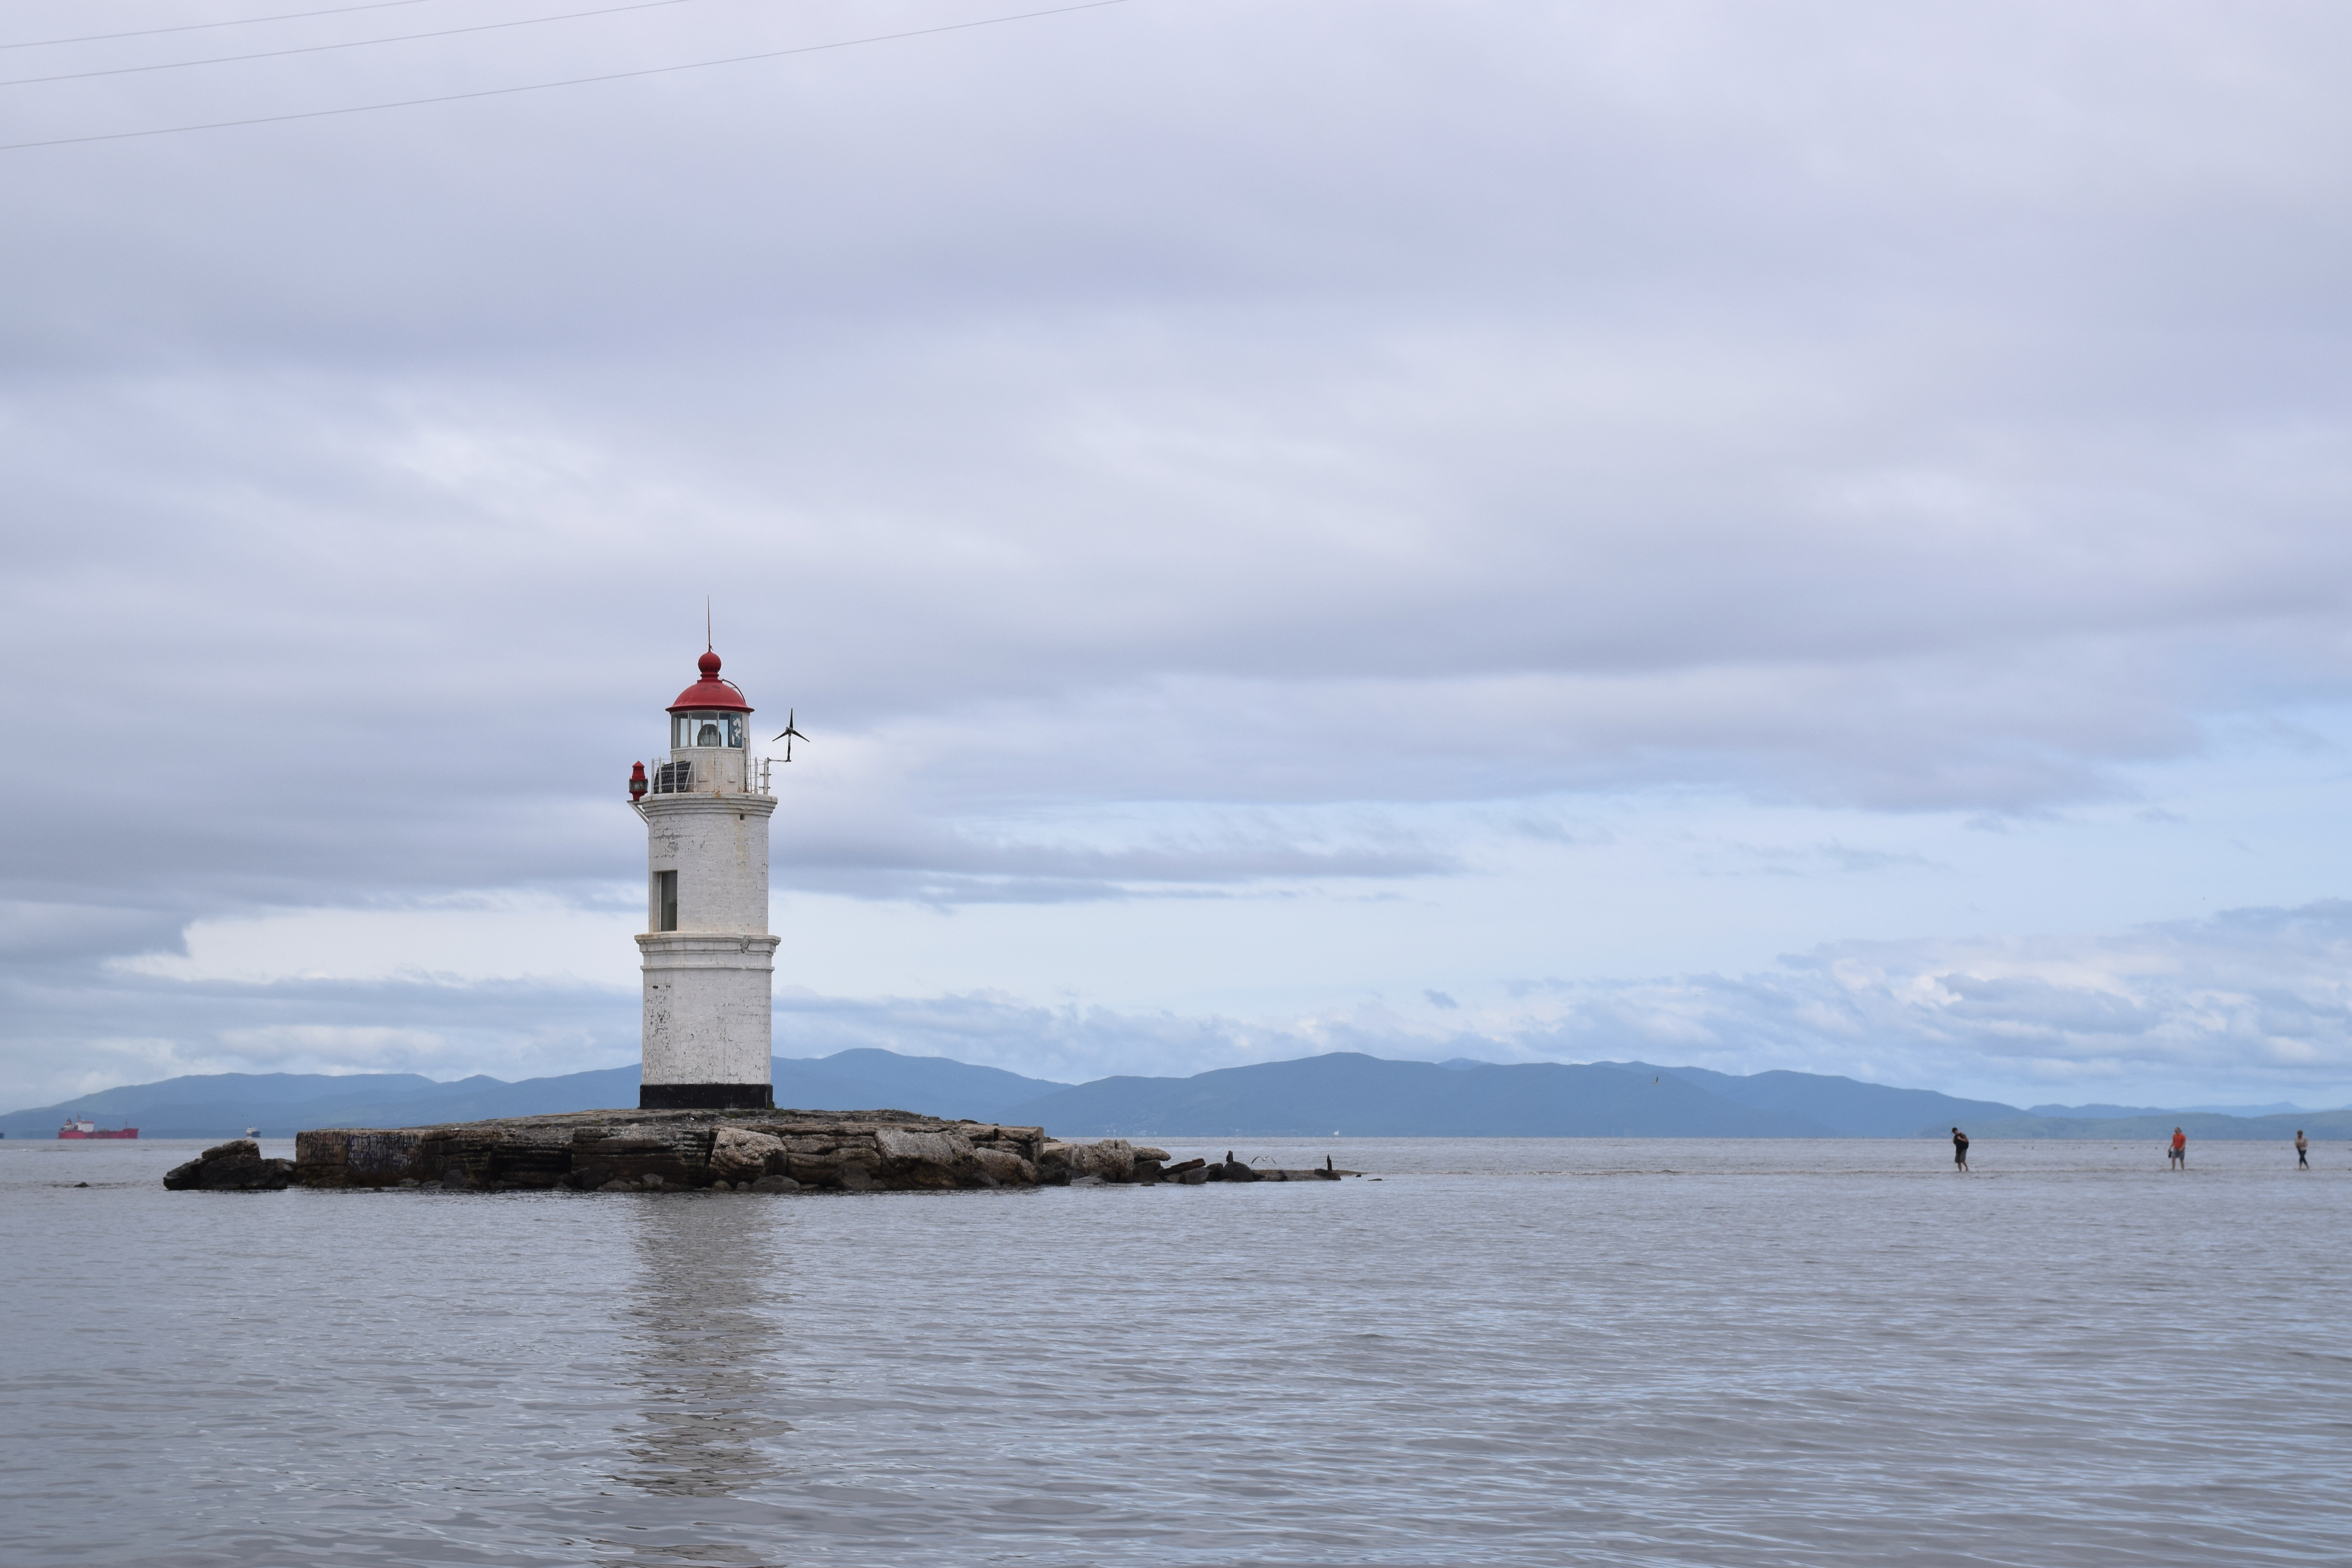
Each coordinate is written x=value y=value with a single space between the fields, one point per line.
x=1807 y=536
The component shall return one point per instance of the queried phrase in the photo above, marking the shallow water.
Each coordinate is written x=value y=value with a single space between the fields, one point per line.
x=1509 y=1352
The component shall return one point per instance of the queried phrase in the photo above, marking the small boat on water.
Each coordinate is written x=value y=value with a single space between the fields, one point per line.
x=83 y=1127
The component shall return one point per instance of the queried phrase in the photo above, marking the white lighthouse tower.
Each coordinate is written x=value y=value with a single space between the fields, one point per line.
x=710 y=962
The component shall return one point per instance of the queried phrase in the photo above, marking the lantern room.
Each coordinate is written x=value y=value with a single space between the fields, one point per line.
x=709 y=740
x=707 y=729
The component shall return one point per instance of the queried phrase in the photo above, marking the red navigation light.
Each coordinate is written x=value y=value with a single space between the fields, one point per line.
x=637 y=782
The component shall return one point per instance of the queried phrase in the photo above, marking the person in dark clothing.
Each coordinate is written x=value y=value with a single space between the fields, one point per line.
x=1959 y=1149
x=2302 y=1151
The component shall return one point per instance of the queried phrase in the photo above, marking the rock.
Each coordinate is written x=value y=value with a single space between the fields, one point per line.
x=740 y=1154
x=928 y=1148
x=1113 y=1160
x=455 y=1177
x=359 y=1157
x=1145 y=1151
x=675 y=1148
x=264 y=1176
x=1088 y=1182
x=236 y=1166
x=730 y=1150
x=913 y=1158
x=1002 y=1167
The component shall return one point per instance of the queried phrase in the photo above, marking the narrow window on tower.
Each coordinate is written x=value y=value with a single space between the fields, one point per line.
x=664 y=901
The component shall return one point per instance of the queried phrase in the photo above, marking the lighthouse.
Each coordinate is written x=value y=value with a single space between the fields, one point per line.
x=709 y=964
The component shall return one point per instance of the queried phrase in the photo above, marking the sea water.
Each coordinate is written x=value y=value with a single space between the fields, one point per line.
x=1499 y=1352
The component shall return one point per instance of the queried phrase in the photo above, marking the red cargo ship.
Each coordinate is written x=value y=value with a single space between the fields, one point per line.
x=83 y=1127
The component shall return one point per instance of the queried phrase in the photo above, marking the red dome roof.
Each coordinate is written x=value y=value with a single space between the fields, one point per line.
x=710 y=691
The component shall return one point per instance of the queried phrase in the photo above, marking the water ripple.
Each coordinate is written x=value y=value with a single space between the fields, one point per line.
x=1513 y=1352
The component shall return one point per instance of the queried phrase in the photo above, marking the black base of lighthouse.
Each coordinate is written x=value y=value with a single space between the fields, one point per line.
x=707 y=1097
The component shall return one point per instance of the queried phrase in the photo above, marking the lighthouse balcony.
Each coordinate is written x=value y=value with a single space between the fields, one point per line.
x=721 y=771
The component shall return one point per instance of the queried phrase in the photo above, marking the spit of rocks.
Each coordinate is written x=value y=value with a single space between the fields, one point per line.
x=755 y=1151
x=233 y=1167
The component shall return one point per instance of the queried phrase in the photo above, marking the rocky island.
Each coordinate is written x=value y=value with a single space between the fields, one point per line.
x=755 y=1151
x=705 y=1116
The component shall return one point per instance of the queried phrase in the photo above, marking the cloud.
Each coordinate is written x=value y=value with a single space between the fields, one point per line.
x=73 y=1030
x=450 y=941
x=317 y=1047
x=2249 y=998
x=2254 y=1003
x=1178 y=452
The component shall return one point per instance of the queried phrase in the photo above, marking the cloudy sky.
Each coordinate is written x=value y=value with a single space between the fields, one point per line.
x=1809 y=535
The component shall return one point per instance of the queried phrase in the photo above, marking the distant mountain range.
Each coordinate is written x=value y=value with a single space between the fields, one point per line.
x=219 y=1105
x=1343 y=1092
x=1366 y=1097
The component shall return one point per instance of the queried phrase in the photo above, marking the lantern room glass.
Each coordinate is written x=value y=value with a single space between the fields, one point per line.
x=708 y=729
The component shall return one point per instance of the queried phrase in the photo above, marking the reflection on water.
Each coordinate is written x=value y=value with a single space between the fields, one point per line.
x=700 y=1315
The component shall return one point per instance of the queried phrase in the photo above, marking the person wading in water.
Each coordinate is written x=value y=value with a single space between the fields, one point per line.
x=1959 y=1149
x=2302 y=1151
x=2178 y=1155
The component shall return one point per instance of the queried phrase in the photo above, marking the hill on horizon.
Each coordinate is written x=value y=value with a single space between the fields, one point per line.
x=1848 y=1106
x=222 y=1105
x=1344 y=1092
x=1362 y=1095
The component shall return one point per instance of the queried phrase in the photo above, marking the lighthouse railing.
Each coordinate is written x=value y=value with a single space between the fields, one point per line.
x=683 y=778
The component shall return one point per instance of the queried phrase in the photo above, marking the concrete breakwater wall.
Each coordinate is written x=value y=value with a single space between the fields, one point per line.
x=761 y=1150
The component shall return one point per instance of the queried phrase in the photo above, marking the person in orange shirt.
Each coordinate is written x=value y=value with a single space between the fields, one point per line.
x=2179 y=1153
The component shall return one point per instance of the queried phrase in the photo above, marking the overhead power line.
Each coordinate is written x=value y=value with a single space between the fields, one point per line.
x=201 y=26
x=568 y=81
x=345 y=44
